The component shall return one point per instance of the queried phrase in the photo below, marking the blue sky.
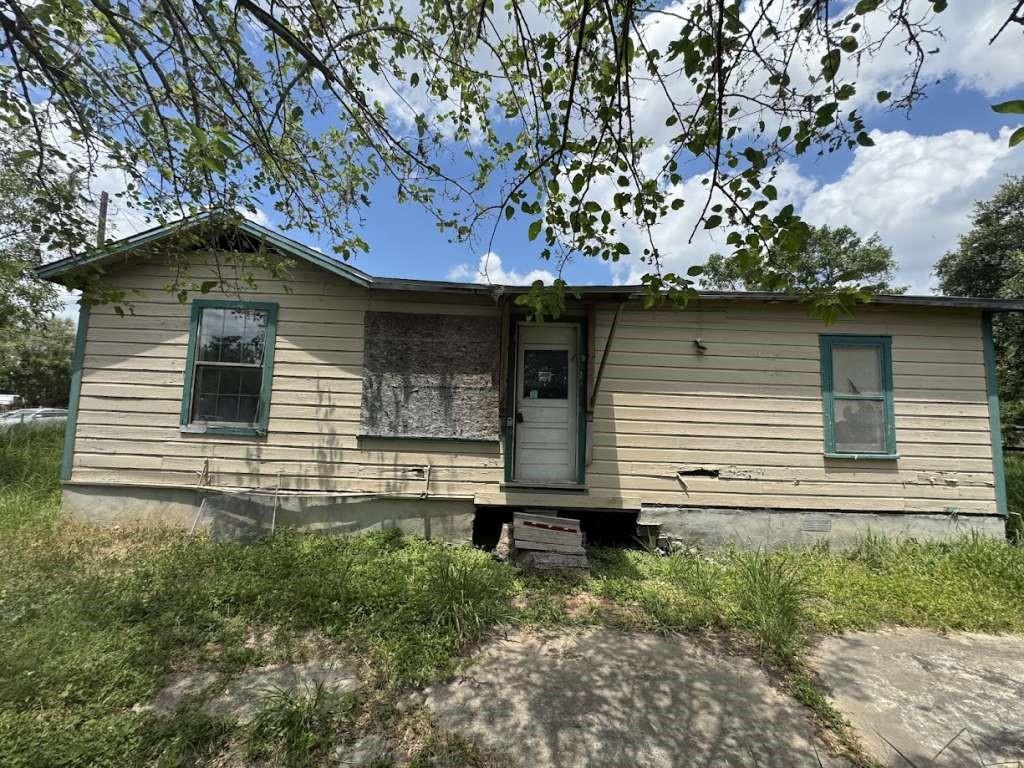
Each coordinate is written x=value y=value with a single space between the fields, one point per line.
x=915 y=187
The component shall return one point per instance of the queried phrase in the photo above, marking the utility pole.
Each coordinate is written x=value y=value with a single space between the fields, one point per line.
x=101 y=228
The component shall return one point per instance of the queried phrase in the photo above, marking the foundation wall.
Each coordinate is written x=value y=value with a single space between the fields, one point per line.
x=227 y=515
x=774 y=529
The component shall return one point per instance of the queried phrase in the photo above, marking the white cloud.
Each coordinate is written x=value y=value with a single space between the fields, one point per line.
x=964 y=51
x=490 y=270
x=672 y=236
x=917 y=192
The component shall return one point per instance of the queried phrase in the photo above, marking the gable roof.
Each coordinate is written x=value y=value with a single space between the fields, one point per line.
x=289 y=247
x=123 y=247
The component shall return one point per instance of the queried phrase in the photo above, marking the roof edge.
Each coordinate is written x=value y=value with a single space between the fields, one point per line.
x=291 y=247
x=281 y=242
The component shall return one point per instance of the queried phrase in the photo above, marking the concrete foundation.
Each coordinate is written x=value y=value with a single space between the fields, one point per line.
x=229 y=515
x=773 y=529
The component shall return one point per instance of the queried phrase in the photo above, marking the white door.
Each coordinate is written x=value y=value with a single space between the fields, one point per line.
x=546 y=410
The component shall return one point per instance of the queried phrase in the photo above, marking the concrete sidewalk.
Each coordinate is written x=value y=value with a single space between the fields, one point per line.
x=603 y=698
x=920 y=691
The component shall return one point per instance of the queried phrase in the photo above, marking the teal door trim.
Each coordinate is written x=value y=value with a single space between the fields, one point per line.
x=583 y=347
x=995 y=427
x=77 y=363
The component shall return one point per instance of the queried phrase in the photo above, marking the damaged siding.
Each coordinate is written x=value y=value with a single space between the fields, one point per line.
x=749 y=408
x=667 y=417
x=128 y=431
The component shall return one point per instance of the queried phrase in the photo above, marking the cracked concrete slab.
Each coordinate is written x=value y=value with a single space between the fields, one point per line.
x=920 y=690
x=603 y=698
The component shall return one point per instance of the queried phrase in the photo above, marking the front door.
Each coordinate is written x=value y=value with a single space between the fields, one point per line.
x=546 y=408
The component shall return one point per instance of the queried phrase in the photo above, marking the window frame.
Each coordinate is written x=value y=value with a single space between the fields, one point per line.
x=188 y=387
x=829 y=342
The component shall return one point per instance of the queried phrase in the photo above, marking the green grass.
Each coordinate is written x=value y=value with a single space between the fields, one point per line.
x=1015 y=496
x=92 y=620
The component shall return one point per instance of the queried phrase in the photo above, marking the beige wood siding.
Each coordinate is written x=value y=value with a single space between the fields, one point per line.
x=128 y=422
x=749 y=407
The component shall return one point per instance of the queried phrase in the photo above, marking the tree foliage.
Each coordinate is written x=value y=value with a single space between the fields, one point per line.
x=35 y=362
x=829 y=260
x=989 y=261
x=582 y=119
x=23 y=213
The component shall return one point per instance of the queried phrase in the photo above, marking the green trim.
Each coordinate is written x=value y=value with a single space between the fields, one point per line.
x=266 y=385
x=828 y=342
x=995 y=427
x=77 y=363
x=582 y=347
x=284 y=244
x=510 y=397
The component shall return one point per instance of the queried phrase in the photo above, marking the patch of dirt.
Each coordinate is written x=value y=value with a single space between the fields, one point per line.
x=241 y=697
x=597 y=698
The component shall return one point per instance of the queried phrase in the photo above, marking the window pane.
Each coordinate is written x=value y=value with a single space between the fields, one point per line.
x=859 y=426
x=207 y=380
x=856 y=370
x=253 y=334
x=211 y=330
x=227 y=408
x=247 y=407
x=546 y=374
x=232 y=335
x=251 y=380
x=205 y=408
x=229 y=381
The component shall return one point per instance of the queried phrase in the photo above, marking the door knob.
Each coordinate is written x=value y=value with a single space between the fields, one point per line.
x=519 y=417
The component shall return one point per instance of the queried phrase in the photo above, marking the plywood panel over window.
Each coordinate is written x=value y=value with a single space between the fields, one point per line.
x=427 y=375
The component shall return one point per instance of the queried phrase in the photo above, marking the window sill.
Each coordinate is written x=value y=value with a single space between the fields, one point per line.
x=526 y=485
x=222 y=429
x=862 y=456
x=445 y=438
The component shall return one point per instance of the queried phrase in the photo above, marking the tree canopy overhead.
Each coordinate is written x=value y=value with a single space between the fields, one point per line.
x=989 y=261
x=829 y=260
x=579 y=119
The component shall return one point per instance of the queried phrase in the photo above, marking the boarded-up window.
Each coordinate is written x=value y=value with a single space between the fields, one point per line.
x=430 y=376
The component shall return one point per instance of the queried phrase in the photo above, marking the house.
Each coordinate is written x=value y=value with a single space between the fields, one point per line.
x=357 y=401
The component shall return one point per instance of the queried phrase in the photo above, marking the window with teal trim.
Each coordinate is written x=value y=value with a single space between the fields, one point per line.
x=230 y=367
x=856 y=385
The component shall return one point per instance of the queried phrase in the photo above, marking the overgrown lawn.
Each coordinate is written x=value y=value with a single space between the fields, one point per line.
x=93 y=620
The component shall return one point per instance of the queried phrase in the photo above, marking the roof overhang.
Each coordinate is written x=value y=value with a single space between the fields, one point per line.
x=58 y=270
x=167 y=233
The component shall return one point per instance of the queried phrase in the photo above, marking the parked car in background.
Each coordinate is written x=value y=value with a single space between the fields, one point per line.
x=32 y=417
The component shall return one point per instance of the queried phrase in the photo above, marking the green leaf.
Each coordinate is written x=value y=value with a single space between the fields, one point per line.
x=848 y=44
x=866 y=6
x=882 y=96
x=770 y=192
x=1017 y=137
x=414 y=79
x=864 y=140
x=830 y=64
x=1014 y=107
x=696 y=269
x=534 y=229
x=510 y=211
x=939 y=5
x=712 y=221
